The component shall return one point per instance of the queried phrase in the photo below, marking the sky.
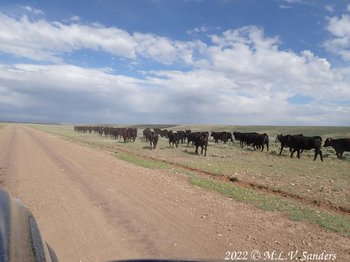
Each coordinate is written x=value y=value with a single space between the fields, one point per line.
x=223 y=62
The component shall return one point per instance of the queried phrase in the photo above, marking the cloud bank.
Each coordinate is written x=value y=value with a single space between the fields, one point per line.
x=239 y=76
x=339 y=27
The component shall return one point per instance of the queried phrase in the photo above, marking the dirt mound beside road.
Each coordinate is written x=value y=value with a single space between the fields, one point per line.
x=91 y=206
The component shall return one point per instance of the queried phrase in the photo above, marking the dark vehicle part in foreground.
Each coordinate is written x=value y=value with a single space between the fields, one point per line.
x=20 y=238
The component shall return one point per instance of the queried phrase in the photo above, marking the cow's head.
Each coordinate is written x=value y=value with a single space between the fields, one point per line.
x=278 y=138
x=328 y=142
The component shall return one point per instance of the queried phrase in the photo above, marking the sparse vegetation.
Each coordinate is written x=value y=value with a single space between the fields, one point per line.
x=327 y=182
x=292 y=209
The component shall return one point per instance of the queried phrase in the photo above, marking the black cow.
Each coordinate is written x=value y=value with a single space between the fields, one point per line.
x=190 y=137
x=158 y=131
x=126 y=133
x=173 y=139
x=129 y=134
x=182 y=136
x=298 y=143
x=260 y=140
x=223 y=136
x=164 y=133
x=152 y=137
x=153 y=140
x=238 y=136
x=340 y=145
x=256 y=140
x=244 y=138
x=201 y=140
x=284 y=140
x=146 y=134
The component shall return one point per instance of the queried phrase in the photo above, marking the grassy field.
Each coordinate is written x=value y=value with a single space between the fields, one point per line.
x=310 y=183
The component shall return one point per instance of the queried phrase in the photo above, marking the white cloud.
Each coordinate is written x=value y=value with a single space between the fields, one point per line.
x=339 y=27
x=75 y=18
x=285 y=6
x=162 y=49
x=289 y=3
x=46 y=41
x=293 y=1
x=329 y=8
x=239 y=77
x=43 y=41
x=255 y=64
x=201 y=29
x=69 y=93
x=33 y=10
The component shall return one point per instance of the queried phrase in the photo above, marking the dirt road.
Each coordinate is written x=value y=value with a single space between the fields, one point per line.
x=92 y=206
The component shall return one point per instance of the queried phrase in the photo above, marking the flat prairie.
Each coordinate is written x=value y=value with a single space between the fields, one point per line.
x=98 y=198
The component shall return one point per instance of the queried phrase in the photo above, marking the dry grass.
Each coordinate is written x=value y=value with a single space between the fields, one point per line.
x=325 y=182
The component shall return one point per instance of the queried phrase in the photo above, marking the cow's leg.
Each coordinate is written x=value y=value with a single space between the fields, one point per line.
x=292 y=152
x=318 y=152
x=298 y=153
x=281 y=150
x=339 y=154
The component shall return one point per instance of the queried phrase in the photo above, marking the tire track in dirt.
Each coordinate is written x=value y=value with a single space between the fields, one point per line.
x=137 y=220
x=96 y=196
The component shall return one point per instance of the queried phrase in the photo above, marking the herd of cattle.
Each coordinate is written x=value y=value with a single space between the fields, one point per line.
x=128 y=134
x=295 y=143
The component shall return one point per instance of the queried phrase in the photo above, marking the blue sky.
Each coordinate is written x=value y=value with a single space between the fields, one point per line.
x=265 y=62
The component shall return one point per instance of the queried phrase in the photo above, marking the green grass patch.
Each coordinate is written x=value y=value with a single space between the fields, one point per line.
x=292 y=209
x=147 y=163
